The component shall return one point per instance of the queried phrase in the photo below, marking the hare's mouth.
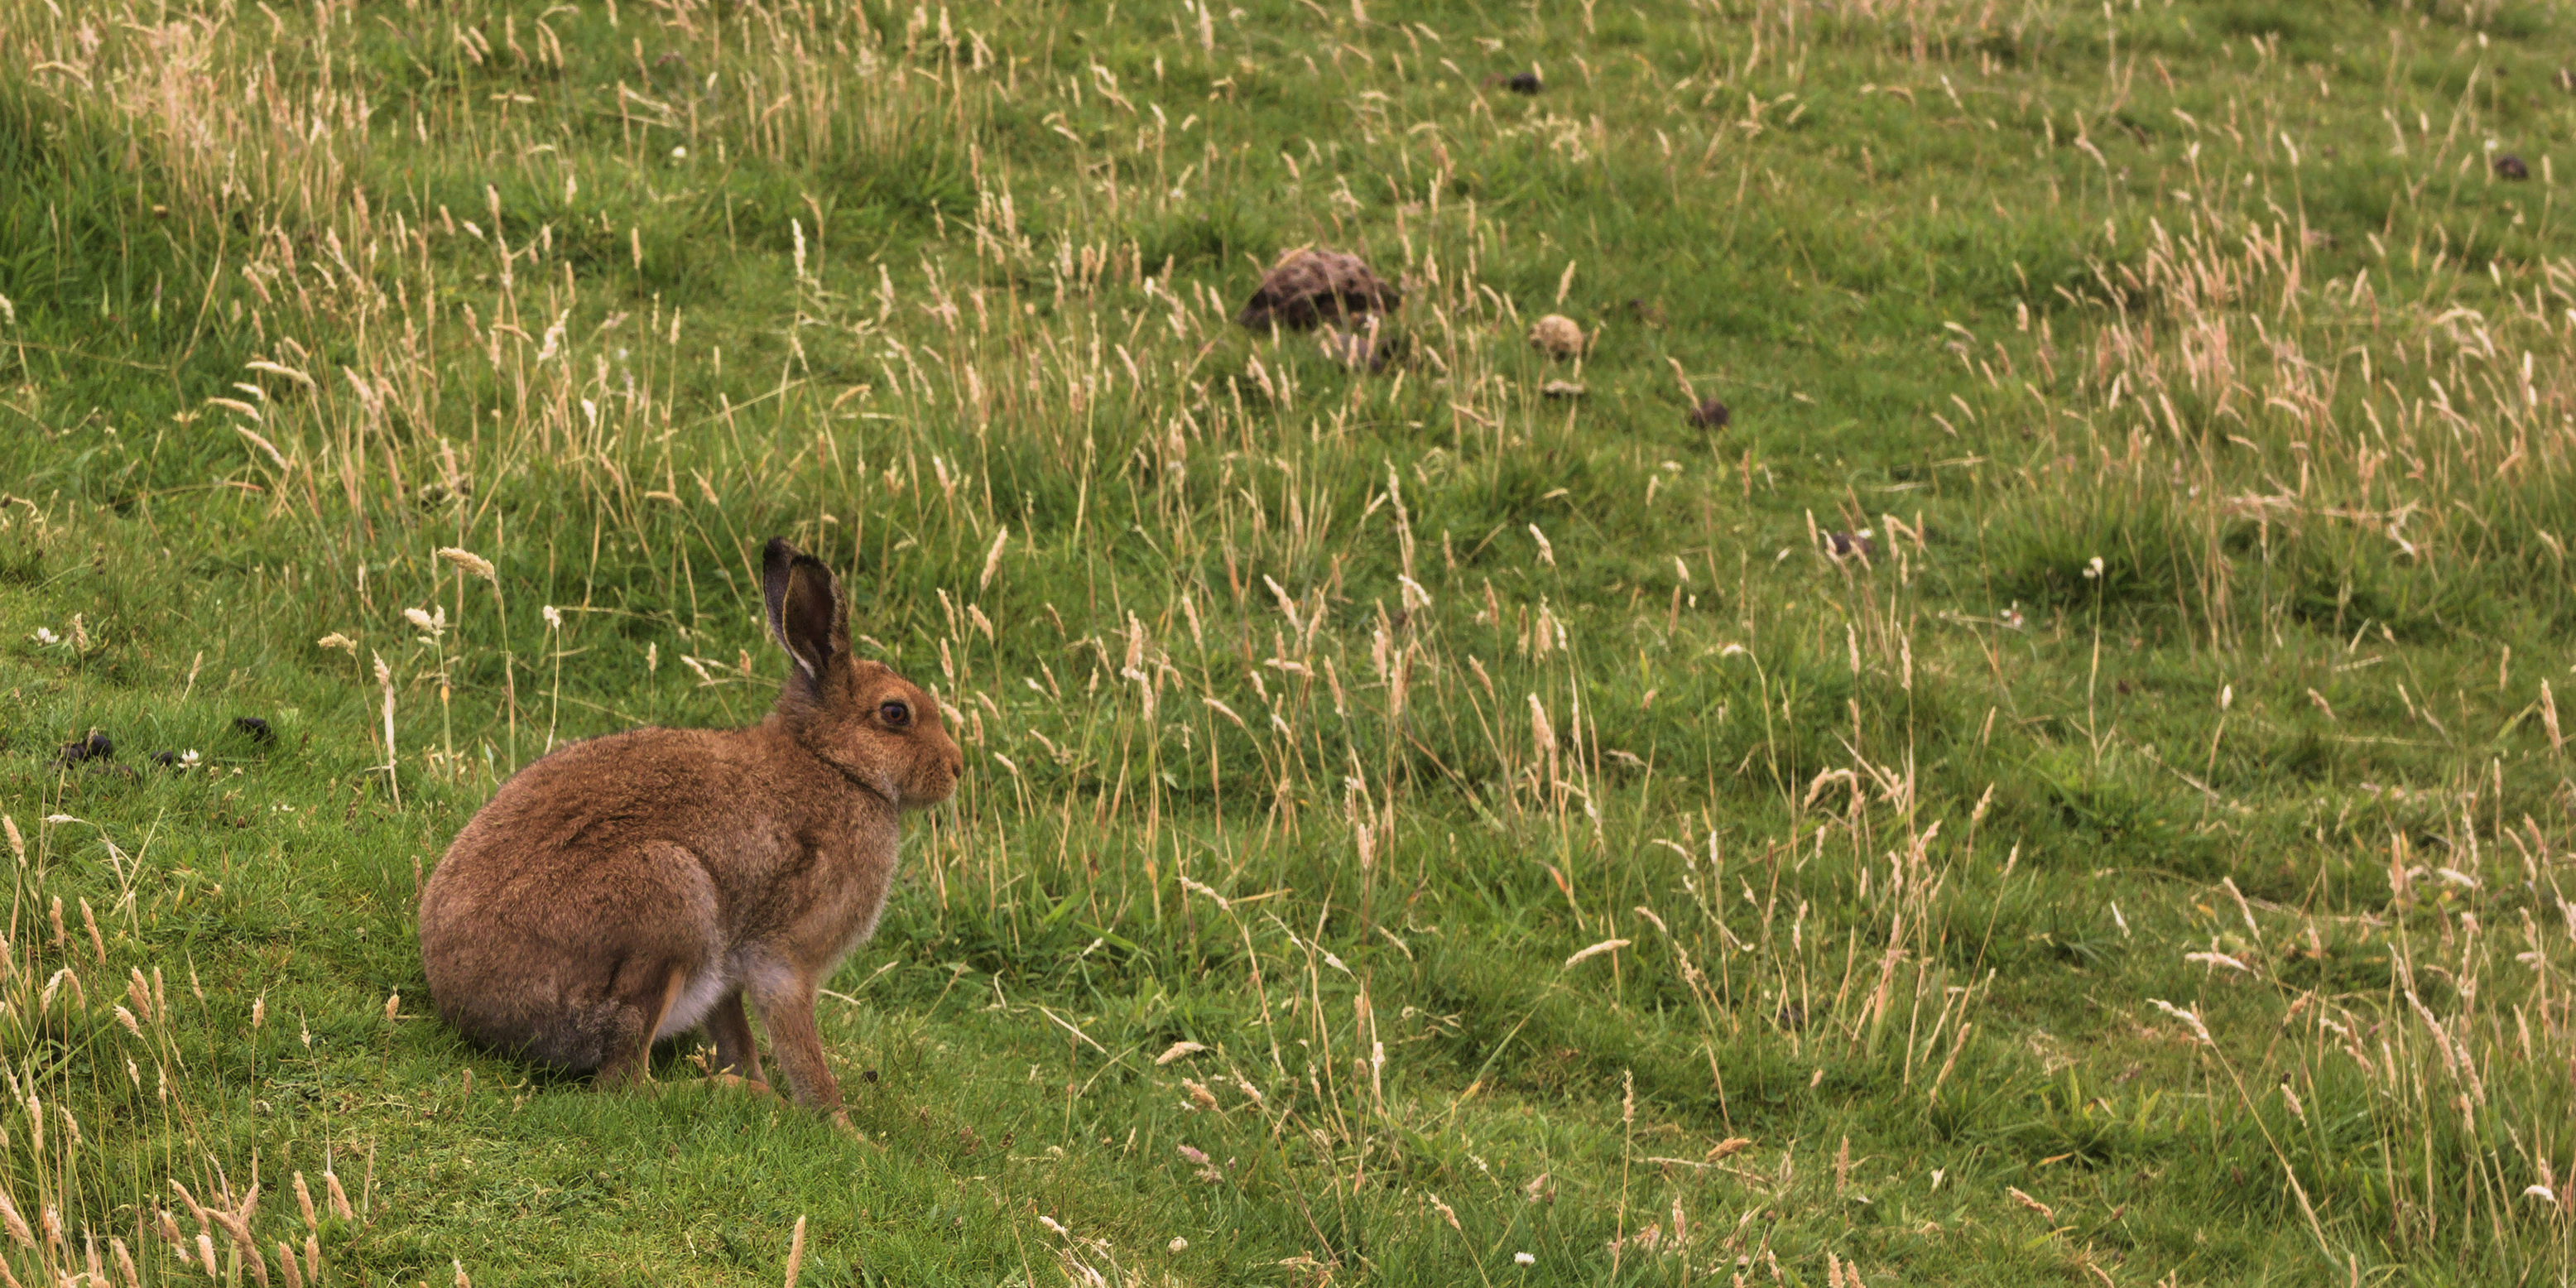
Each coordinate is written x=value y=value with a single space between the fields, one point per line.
x=933 y=793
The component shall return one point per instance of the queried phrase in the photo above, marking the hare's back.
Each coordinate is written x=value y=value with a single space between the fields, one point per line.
x=586 y=810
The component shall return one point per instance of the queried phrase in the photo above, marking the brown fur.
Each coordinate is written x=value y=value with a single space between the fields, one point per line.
x=642 y=884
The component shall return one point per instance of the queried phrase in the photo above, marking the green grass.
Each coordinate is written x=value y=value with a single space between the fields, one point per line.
x=2204 y=392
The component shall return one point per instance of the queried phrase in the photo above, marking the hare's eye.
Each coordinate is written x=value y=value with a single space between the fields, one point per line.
x=895 y=713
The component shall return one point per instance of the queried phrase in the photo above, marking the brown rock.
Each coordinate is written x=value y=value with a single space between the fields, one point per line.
x=1310 y=286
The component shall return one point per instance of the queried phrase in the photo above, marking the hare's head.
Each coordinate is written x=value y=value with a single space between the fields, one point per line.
x=860 y=717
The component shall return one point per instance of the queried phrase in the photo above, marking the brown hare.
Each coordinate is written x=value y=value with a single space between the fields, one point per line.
x=635 y=886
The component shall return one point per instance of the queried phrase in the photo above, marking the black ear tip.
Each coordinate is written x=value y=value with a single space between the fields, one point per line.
x=779 y=558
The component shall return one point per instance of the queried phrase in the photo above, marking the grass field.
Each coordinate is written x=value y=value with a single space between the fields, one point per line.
x=2065 y=788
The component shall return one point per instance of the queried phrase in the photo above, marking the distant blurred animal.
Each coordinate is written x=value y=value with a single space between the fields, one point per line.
x=2510 y=166
x=1310 y=286
x=1710 y=414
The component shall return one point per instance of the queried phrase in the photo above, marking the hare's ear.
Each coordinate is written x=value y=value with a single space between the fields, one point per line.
x=804 y=603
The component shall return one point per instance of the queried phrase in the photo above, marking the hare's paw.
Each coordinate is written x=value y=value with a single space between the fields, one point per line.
x=736 y=1082
x=633 y=1075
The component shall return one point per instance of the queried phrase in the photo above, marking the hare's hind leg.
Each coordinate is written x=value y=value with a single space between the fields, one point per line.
x=736 y=1053
x=635 y=1012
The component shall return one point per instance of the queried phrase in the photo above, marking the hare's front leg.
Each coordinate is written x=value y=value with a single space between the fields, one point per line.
x=736 y=1052
x=787 y=1010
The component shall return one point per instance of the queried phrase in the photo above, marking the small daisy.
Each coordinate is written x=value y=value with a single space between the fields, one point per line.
x=45 y=635
x=1523 y=1259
